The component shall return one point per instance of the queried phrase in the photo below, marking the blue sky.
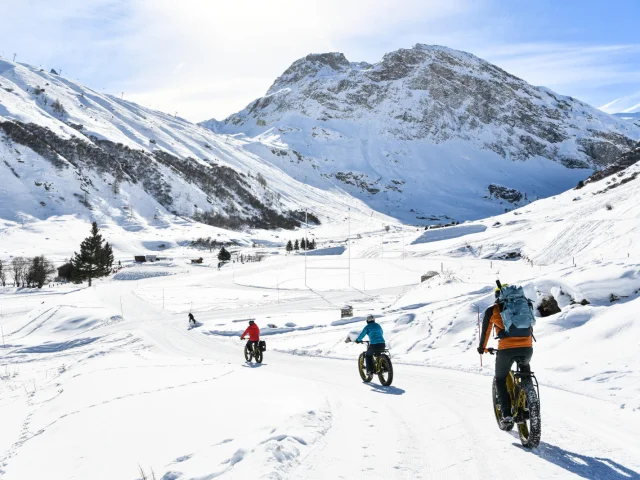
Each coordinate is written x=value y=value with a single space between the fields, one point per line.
x=209 y=58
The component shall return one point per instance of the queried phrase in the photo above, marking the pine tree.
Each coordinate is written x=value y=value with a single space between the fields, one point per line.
x=3 y=276
x=106 y=260
x=94 y=260
x=289 y=246
x=311 y=245
x=303 y=244
x=296 y=246
x=224 y=255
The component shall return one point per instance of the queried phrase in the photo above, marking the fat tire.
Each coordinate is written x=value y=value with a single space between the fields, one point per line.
x=248 y=354
x=385 y=368
x=496 y=409
x=362 y=370
x=258 y=355
x=534 y=429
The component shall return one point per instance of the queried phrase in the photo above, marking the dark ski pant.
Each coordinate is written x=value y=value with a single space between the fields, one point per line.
x=368 y=356
x=250 y=346
x=504 y=360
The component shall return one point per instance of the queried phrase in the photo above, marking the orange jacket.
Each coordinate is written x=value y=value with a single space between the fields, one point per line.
x=492 y=319
x=253 y=331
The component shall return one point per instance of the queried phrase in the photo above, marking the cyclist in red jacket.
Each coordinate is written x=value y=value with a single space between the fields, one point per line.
x=254 y=335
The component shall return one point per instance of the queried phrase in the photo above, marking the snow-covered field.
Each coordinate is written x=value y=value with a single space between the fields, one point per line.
x=104 y=381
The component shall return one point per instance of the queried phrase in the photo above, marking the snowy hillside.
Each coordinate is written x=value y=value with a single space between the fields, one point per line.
x=428 y=133
x=104 y=382
x=69 y=150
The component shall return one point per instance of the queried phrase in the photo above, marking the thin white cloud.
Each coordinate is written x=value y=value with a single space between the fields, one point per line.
x=207 y=58
x=231 y=52
x=561 y=65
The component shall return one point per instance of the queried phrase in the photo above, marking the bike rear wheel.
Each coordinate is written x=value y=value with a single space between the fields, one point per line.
x=258 y=354
x=385 y=372
x=496 y=410
x=530 y=423
x=248 y=354
x=363 y=370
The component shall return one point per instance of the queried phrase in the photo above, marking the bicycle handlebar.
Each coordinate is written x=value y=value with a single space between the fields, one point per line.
x=364 y=341
x=491 y=351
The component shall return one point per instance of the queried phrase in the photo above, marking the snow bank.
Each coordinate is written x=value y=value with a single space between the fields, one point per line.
x=447 y=233
x=140 y=274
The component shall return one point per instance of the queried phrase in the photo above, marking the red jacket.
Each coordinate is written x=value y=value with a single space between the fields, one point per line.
x=253 y=331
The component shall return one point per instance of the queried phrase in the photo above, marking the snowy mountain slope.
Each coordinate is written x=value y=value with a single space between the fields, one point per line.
x=598 y=221
x=424 y=133
x=69 y=150
x=92 y=379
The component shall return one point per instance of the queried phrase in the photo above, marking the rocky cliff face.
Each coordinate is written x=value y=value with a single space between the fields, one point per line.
x=446 y=118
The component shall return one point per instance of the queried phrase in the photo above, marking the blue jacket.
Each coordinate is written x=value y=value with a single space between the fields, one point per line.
x=375 y=333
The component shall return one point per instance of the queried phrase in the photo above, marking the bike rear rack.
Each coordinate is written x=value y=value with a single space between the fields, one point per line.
x=530 y=375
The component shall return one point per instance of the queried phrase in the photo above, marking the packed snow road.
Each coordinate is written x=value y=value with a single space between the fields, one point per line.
x=145 y=392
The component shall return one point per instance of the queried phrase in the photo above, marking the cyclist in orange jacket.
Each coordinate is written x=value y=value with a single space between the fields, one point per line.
x=254 y=335
x=508 y=349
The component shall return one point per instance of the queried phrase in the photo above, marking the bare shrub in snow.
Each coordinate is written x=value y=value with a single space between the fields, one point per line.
x=58 y=108
x=608 y=206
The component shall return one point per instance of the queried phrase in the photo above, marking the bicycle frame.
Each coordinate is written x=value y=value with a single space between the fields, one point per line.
x=377 y=357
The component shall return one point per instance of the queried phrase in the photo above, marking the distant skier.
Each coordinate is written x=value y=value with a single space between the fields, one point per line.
x=192 y=320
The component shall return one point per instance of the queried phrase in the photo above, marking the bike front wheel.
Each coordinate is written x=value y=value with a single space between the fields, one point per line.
x=530 y=423
x=362 y=369
x=385 y=370
x=248 y=354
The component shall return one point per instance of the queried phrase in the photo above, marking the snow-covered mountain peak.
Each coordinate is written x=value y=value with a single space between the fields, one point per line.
x=428 y=115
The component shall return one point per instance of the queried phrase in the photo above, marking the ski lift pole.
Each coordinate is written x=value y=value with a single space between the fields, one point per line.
x=479 y=334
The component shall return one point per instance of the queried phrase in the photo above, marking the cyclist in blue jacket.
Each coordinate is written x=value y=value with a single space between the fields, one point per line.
x=376 y=341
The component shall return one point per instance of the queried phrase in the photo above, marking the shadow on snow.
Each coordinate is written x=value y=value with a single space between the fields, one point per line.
x=386 y=390
x=582 y=465
x=58 y=347
x=253 y=365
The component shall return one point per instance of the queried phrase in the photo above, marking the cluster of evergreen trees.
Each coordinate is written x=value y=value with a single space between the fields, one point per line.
x=303 y=244
x=208 y=242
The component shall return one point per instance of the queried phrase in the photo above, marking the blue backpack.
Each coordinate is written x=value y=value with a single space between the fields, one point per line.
x=516 y=311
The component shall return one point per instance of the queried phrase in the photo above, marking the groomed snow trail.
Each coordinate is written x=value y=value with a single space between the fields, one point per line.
x=187 y=405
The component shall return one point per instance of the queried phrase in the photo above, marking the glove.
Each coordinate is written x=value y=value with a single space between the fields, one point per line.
x=480 y=350
x=358 y=341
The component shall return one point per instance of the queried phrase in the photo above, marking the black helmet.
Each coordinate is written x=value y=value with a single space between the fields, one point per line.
x=370 y=318
x=251 y=322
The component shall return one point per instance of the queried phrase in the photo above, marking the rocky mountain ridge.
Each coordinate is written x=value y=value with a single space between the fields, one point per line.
x=430 y=113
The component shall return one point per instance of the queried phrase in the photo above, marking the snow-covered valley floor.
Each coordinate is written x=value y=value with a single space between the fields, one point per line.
x=104 y=381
